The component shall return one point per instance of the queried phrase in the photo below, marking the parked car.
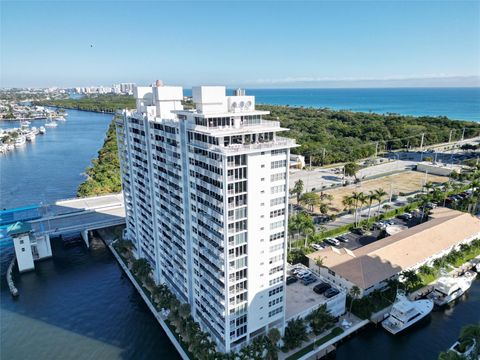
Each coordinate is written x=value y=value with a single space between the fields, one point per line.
x=358 y=231
x=317 y=246
x=291 y=280
x=332 y=241
x=309 y=280
x=331 y=293
x=342 y=238
x=380 y=225
x=303 y=274
x=405 y=216
x=321 y=288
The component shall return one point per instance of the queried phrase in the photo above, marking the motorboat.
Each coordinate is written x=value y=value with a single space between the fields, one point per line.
x=448 y=288
x=10 y=147
x=42 y=130
x=59 y=118
x=51 y=124
x=467 y=352
x=20 y=141
x=30 y=136
x=35 y=130
x=404 y=313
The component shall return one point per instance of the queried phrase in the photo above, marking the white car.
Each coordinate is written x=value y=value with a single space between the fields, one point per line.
x=332 y=241
x=317 y=246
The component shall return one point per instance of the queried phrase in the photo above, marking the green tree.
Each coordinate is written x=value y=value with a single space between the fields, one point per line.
x=310 y=199
x=351 y=169
x=297 y=189
x=320 y=319
x=354 y=294
x=295 y=334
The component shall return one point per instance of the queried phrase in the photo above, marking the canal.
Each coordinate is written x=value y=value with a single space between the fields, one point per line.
x=79 y=304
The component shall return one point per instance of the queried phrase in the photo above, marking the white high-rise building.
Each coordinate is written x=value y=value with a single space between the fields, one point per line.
x=206 y=202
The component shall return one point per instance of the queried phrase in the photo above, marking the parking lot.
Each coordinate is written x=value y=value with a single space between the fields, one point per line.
x=301 y=299
x=355 y=240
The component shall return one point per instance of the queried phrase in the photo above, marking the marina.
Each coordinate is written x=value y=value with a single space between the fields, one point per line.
x=12 y=138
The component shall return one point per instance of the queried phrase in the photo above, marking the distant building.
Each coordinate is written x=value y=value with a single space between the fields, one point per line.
x=371 y=266
x=206 y=204
x=297 y=161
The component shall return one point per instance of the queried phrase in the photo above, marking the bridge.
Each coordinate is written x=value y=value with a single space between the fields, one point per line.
x=30 y=228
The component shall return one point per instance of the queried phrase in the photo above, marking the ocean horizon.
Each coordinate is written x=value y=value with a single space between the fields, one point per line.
x=454 y=103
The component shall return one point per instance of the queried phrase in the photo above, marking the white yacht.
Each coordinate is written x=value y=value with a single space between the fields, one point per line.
x=35 y=130
x=449 y=288
x=30 y=136
x=51 y=124
x=10 y=147
x=42 y=130
x=20 y=141
x=405 y=313
x=60 y=118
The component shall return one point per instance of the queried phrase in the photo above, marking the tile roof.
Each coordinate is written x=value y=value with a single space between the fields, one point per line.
x=380 y=260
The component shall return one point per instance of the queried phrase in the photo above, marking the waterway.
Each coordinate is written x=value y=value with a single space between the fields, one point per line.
x=79 y=305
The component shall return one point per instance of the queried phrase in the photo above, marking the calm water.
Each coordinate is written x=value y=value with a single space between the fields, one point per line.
x=456 y=103
x=79 y=304
x=52 y=167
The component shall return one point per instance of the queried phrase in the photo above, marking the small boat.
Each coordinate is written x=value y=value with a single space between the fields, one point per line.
x=405 y=313
x=51 y=124
x=30 y=136
x=20 y=141
x=3 y=149
x=449 y=288
x=59 y=118
x=10 y=147
x=24 y=123
x=35 y=130
x=42 y=130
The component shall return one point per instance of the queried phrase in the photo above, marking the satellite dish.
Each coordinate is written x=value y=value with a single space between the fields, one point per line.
x=242 y=104
x=248 y=104
x=234 y=105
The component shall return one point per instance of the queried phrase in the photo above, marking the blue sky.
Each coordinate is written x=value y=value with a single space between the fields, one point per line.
x=249 y=43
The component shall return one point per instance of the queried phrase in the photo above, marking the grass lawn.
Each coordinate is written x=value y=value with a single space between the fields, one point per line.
x=335 y=332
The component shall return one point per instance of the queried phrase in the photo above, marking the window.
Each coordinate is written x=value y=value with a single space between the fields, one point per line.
x=277 y=236
x=23 y=249
x=275 y=301
x=277 y=189
x=275 y=311
x=276 y=280
x=277 y=224
x=277 y=201
x=278 y=164
x=275 y=269
x=21 y=241
x=275 y=258
x=276 y=213
x=276 y=247
x=275 y=291
x=277 y=177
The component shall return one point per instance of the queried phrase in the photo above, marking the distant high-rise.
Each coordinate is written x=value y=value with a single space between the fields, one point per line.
x=206 y=194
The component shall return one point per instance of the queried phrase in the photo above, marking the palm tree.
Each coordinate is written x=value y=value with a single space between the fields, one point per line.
x=371 y=197
x=428 y=186
x=297 y=189
x=380 y=194
x=310 y=199
x=446 y=189
x=354 y=294
x=358 y=197
x=347 y=202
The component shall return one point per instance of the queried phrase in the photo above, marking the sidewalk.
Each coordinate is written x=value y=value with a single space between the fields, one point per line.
x=357 y=324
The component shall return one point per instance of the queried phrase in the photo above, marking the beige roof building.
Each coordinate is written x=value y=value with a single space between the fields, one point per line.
x=382 y=259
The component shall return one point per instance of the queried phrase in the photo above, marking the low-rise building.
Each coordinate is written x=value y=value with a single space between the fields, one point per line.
x=371 y=266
